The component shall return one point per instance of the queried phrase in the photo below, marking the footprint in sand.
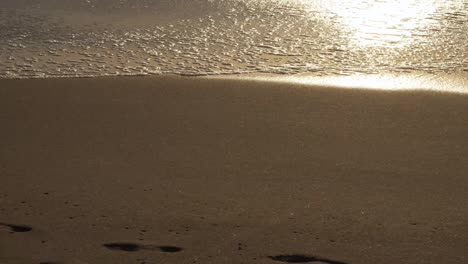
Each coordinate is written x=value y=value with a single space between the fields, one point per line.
x=133 y=247
x=299 y=258
x=130 y=247
x=17 y=228
x=170 y=249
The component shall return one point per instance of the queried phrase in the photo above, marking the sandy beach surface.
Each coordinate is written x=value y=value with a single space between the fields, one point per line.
x=192 y=170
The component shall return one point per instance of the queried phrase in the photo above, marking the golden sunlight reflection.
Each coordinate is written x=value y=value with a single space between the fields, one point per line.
x=390 y=23
x=453 y=83
x=392 y=82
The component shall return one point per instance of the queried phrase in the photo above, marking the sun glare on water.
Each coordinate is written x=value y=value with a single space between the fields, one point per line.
x=392 y=29
x=223 y=37
x=386 y=22
x=378 y=22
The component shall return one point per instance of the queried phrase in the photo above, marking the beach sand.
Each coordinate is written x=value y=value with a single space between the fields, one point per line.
x=194 y=170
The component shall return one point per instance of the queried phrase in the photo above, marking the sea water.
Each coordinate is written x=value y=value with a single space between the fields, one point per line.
x=82 y=38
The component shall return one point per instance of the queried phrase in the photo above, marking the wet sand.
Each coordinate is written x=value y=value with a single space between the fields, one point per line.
x=188 y=170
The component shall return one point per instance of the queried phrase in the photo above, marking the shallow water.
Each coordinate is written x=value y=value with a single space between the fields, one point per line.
x=49 y=38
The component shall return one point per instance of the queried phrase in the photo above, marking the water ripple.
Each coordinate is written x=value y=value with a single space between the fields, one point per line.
x=206 y=37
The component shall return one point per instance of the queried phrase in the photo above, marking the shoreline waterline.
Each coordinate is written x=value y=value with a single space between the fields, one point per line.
x=448 y=82
x=445 y=83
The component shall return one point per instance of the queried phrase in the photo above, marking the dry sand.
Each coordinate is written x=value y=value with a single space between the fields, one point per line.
x=187 y=170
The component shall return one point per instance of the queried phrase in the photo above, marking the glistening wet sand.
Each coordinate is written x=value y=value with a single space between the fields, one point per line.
x=187 y=170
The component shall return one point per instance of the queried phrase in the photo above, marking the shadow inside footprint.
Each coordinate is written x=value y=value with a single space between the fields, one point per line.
x=17 y=228
x=130 y=247
x=298 y=258
x=170 y=249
